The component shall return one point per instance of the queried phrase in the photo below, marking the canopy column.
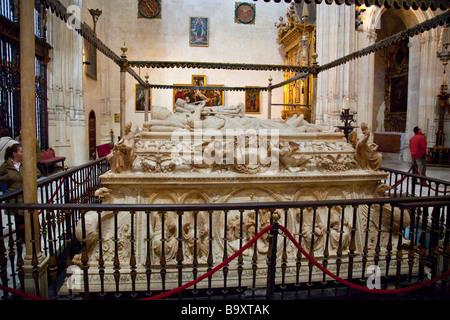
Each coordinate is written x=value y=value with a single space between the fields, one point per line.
x=35 y=263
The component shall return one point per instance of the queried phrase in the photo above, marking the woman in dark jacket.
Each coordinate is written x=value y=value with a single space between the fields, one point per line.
x=11 y=172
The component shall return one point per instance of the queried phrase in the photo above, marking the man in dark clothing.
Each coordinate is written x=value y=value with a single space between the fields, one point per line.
x=418 y=149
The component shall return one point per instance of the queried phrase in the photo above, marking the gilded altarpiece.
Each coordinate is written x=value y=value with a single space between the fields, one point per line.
x=297 y=50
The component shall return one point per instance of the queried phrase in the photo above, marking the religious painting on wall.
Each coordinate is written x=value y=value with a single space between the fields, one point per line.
x=399 y=94
x=213 y=97
x=396 y=86
x=150 y=9
x=244 y=13
x=253 y=101
x=140 y=99
x=198 y=80
x=90 y=60
x=198 y=32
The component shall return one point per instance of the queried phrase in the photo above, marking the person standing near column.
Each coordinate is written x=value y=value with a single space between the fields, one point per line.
x=11 y=173
x=418 y=149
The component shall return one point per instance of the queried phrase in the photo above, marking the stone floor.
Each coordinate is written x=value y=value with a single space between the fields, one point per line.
x=442 y=173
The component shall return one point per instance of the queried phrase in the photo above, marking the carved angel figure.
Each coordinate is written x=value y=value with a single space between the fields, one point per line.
x=122 y=155
x=366 y=156
x=291 y=162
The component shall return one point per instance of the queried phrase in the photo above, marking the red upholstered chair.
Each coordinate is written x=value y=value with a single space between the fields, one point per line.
x=103 y=150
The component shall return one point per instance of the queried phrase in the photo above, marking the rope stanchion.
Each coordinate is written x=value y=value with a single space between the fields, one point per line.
x=355 y=286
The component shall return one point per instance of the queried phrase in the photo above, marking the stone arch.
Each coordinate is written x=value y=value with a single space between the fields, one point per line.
x=202 y=197
x=423 y=66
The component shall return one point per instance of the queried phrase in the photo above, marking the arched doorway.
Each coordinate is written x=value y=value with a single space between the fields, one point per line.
x=391 y=74
x=92 y=136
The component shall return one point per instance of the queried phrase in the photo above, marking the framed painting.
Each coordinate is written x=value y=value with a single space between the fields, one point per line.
x=198 y=80
x=399 y=94
x=213 y=97
x=91 y=57
x=139 y=94
x=198 y=32
x=253 y=101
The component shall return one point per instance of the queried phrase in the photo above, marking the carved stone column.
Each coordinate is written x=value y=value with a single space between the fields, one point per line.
x=335 y=38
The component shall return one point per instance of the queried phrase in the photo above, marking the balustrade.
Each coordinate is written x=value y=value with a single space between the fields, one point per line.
x=156 y=248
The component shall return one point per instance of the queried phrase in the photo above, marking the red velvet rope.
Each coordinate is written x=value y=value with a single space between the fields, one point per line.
x=87 y=178
x=40 y=211
x=237 y=253
x=21 y=294
x=426 y=183
x=210 y=273
x=361 y=288
x=399 y=182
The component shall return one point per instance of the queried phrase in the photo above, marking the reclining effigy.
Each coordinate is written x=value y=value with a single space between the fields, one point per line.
x=199 y=154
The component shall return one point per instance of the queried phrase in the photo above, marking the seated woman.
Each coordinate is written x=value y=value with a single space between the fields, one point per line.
x=11 y=172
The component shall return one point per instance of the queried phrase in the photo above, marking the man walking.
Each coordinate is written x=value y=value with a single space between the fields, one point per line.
x=418 y=149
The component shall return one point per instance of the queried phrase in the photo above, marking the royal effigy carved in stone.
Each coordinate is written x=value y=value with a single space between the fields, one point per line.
x=199 y=154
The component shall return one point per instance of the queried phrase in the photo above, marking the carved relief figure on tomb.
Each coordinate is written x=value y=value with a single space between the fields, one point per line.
x=202 y=237
x=233 y=228
x=336 y=162
x=390 y=221
x=166 y=242
x=249 y=227
x=123 y=243
x=340 y=229
x=366 y=156
x=312 y=229
x=287 y=158
x=122 y=155
x=390 y=228
x=264 y=218
x=92 y=227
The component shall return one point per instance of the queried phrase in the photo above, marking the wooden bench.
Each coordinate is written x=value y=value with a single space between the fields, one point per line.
x=48 y=160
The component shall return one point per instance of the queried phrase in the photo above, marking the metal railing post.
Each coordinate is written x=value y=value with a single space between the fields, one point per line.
x=272 y=256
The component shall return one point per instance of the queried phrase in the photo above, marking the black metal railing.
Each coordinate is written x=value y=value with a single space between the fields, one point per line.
x=136 y=251
x=141 y=250
x=410 y=184
x=75 y=185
